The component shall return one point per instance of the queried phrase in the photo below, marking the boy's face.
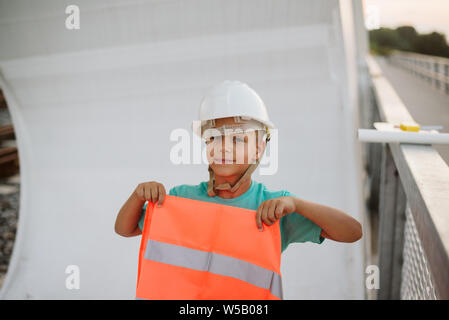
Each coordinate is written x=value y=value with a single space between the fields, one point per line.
x=232 y=154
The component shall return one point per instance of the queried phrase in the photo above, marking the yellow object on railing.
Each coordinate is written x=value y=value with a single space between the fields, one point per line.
x=409 y=126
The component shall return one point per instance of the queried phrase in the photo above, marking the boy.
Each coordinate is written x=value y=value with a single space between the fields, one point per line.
x=235 y=125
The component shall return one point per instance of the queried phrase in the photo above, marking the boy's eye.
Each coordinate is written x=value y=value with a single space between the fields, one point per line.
x=235 y=139
x=238 y=139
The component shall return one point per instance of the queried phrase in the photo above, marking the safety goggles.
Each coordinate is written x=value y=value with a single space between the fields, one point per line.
x=234 y=132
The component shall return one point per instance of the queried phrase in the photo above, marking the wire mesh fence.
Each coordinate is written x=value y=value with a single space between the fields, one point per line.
x=416 y=280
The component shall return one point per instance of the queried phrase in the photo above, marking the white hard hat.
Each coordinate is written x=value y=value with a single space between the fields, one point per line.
x=232 y=99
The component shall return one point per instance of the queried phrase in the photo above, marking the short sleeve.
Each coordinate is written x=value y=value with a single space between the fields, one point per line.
x=172 y=192
x=297 y=228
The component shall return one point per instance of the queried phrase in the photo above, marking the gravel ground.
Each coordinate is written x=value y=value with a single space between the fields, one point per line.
x=9 y=208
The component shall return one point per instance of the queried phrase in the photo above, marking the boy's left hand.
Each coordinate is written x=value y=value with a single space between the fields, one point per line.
x=272 y=210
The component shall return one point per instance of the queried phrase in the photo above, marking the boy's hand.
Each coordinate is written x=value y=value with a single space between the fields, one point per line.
x=152 y=191
x=272 y=210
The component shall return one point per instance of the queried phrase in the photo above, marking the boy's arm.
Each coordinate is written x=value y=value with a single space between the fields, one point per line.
x=325 y=235
x=128 y=217
x=335 y=224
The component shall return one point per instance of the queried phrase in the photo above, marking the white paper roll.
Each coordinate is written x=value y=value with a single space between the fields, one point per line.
x=371 y=135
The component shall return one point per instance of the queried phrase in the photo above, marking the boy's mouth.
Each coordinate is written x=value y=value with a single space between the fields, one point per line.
x=224 y=161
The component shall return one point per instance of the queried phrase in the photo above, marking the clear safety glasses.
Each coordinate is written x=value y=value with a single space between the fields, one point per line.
x=236 y=138
x=237 y=133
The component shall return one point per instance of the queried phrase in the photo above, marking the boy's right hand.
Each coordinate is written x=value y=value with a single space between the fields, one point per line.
x=151 y=191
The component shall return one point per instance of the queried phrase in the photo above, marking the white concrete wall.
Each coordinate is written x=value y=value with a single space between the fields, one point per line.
x=93 y=110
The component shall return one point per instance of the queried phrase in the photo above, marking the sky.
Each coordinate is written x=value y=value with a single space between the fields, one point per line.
x=425 y=15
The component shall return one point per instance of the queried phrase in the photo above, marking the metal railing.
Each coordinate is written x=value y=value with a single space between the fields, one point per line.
x=434 y=70
x=409 y=191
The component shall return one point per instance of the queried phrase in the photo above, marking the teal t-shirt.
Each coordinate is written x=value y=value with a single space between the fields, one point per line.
x=294 y=227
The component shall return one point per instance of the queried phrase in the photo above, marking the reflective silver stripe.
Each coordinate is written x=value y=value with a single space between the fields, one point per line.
x=214 y=263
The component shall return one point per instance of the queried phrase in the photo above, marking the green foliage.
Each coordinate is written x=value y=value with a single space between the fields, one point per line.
x=406 y=38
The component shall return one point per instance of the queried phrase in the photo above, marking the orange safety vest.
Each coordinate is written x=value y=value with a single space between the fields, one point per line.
x=193 y=249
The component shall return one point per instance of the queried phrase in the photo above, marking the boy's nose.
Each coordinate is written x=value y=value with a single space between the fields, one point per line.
x=221 y=148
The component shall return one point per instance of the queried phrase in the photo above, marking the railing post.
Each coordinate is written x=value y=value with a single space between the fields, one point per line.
x=392 y=203
x=374 y=162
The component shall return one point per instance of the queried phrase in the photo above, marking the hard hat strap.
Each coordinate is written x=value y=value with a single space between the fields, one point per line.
x=227 y=186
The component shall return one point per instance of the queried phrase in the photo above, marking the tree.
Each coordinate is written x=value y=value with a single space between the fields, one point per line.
x=433 y=44
x=406 y=38
x=408 y=35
